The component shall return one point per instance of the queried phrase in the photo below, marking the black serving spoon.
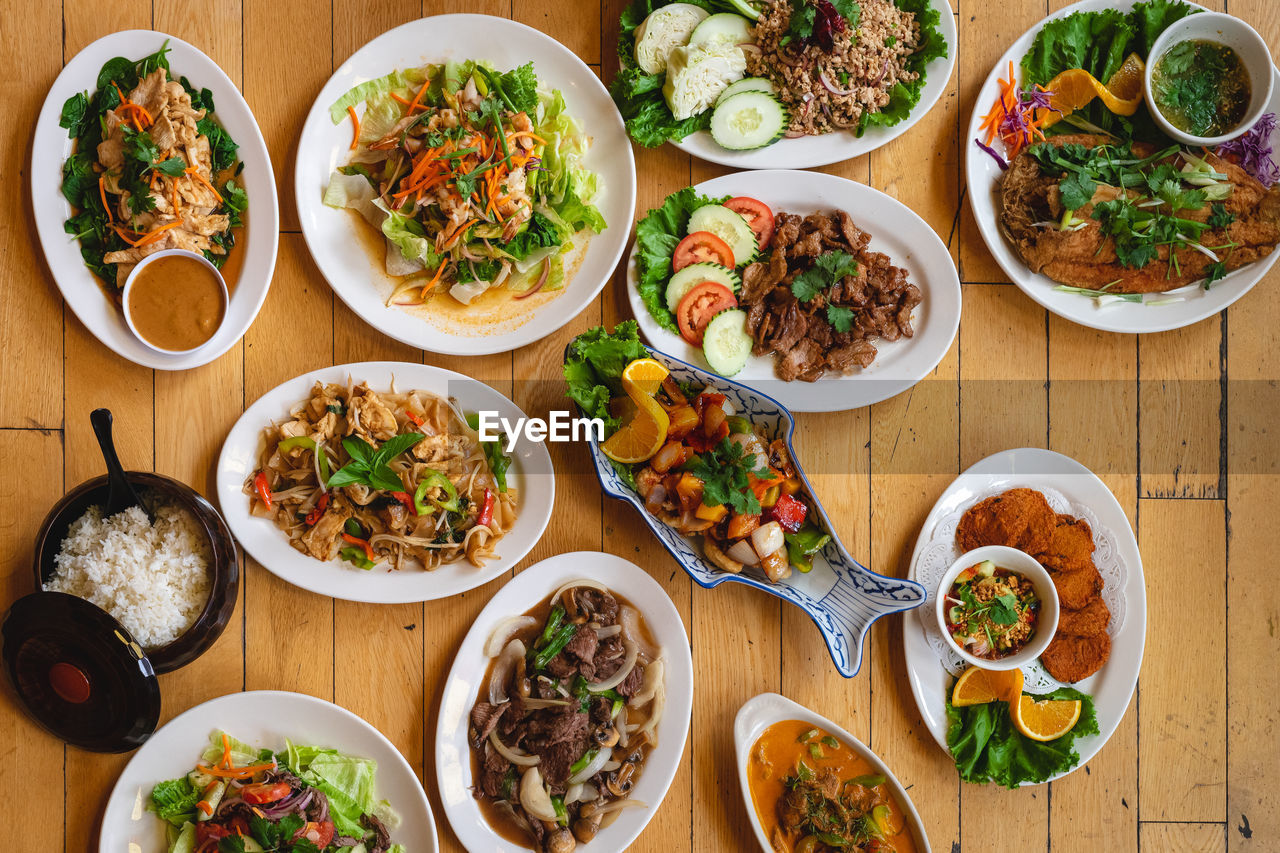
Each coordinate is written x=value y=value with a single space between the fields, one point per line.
x=120 y=493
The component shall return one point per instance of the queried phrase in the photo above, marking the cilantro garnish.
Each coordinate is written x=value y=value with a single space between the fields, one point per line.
x=827 y=270
x=1219 y=216
x=723 y=471
x=840 y=317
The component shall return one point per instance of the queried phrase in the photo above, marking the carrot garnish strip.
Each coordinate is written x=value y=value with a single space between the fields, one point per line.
x=235 y=772
x=355 y=128
x=191 y=170
x=155 y=234
x=226 y=751
x=414 y=104
x=102 y=193
x=399 y=99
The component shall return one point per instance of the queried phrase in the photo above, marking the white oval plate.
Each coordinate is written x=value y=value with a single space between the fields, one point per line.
x=807 y=152
x=531 y=473
x=261 y=718
x=82 y=290
x=761 y=711
x=1112 y=686
x=534 y=584
x=895 y=230
x=981 y=172
x=340 y=250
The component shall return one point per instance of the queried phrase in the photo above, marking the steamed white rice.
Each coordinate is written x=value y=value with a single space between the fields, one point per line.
x=154 y=579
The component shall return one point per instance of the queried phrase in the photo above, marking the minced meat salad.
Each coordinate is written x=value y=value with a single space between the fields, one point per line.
x=991 y=612
x=848 y=64
x=574 y=699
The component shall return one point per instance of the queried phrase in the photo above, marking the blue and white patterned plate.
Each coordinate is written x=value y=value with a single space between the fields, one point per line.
x=841 y=596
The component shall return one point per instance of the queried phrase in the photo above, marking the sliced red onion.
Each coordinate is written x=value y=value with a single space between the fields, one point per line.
x=832 y=87
x=546 y=270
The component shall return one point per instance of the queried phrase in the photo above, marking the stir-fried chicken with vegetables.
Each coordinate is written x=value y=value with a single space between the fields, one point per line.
x=567 y=717
x=152 y=169
x=474 y=177
x=383 y=477
x=304 y=799
x=697 y=464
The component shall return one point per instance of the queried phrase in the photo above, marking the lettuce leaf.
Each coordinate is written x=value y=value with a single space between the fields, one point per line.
x=903 y=97
x=241 y=752
x=357 y=95
x=987 y=747
x=593 y=367
x=656 y=238
x=175 y=800
x=1098 y=42
x=408 y=235
x=354 y=192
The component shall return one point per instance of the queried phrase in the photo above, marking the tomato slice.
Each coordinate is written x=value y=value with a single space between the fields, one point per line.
x=702 y=247
x=757 y=214
x=265 y=792
x=699 y=305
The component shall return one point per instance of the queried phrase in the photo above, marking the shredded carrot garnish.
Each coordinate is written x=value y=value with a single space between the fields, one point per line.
x=156 y=233
x=234 y=772
x=529 y=133
x=204 y=806
x=355 y=127
x=102 y=193
x=414 y=104
x=191 y=170
x=176 y=206
x=226 y=751
x=399 y=99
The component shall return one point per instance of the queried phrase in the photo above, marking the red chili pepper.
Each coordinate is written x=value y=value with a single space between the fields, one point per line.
x=406 y=499
x=486 y=509
x=318 y=510
x=417 y=421
x=788 y=512
x=363 y=543
x=263 y=488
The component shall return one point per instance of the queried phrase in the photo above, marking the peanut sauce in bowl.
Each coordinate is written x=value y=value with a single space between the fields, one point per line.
x=174 y=301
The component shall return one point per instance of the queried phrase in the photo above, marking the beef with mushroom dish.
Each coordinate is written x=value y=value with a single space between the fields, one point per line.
x=566 y=718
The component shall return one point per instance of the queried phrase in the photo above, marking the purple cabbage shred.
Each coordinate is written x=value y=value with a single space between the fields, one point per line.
x=1252 y=152
x=987 y=148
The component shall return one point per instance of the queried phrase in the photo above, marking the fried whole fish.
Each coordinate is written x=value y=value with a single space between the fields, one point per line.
x=1028 y=197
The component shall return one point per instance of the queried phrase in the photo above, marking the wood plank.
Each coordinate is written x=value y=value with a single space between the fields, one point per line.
x=575 y=25
x=1180 y=399
x=1182 y=695
x=914 y=456
x=34 y=757
x=1003 y=368
x=300 y=301
x=986 y=31
x=306 y=43
x=1183 y=837
x=30 y=305
x=1093 y=419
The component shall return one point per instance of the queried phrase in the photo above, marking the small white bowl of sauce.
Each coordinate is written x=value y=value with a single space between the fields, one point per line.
x=175 y=301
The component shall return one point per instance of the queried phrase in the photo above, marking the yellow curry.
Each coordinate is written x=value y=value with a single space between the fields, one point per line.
x=814 y=794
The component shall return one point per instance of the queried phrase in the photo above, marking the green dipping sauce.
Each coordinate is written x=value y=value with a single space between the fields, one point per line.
x=1201 y=87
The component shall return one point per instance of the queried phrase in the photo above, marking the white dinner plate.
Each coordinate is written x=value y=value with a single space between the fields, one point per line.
x=535 y=584
x=762 y=711
x=1112 y=686
x=81 y=289
x=895 y=230
x=263 y=719
x=344 y=253
x=982 y=172
x=807 y=152
x=530 y=472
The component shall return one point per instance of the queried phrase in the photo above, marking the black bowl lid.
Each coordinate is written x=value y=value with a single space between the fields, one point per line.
x=79 y=673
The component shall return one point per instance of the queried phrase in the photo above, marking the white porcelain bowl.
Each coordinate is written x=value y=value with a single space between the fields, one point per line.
x=762 y=711
x=1226 y=30
x=147 y=261
x=1025 y=565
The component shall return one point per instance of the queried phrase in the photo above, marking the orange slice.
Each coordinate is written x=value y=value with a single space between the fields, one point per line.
x=979 y=686
x=1076 y=88
x=1046 y=720
x=642 y=436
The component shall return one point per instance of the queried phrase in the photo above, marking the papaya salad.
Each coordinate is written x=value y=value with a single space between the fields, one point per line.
x=304 y=799
x=475 y=178
x=698 y=466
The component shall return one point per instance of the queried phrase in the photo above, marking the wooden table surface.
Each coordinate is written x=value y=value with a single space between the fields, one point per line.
x=1177 y=424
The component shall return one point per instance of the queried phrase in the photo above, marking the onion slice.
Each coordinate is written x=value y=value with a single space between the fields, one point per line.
x=534 y=796
x=628 y=664
x=593 y=767
x=515 y=756
x=571 y=584
x=502 y=668
x=503 y=631
x=832 y=87
x=542 y=279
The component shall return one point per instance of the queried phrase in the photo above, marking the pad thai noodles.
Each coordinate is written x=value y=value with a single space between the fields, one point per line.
x=383 y=477
x=474 y=177
x=567 y=716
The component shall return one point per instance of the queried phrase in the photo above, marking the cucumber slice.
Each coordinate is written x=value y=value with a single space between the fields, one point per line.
x=723 y=27
x=748 y=120
x=685 y=280
x=748 y=84
x=725 y=343
x=745 y=8
x=729 y=227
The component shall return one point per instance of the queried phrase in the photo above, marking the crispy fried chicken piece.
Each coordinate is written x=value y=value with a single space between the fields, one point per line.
x=1070 y=659
x=1018 y=518
x=1089 y=621
x=1077 y=589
